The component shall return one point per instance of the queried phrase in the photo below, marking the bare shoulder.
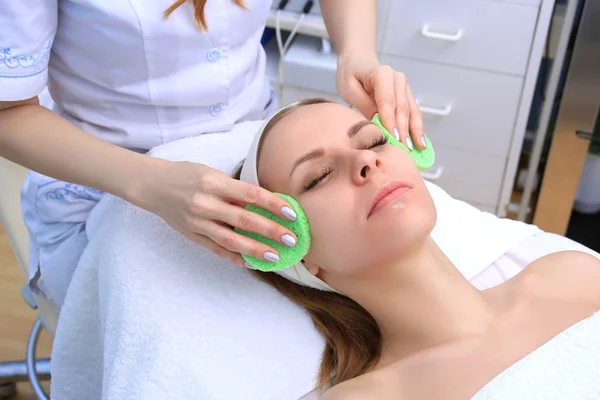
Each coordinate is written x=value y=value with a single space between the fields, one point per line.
x=365 y=387
x=347 y=392
x=572 y=275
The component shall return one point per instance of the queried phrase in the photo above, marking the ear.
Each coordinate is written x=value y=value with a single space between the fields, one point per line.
x=313 y=268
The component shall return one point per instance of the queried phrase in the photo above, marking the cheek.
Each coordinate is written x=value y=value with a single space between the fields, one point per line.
x=338 y=243
x=331 y=227
x=401 y=162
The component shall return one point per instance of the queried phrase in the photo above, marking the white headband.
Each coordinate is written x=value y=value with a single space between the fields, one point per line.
x=298 y=272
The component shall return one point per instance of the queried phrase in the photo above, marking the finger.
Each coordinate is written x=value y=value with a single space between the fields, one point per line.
x=237 y=203
x=360 y=99
x=238 y=243
x=218 y=250
x=249 y=221
x=245 y=193
x=417 y=131
x=402 y=110
x=385 y=98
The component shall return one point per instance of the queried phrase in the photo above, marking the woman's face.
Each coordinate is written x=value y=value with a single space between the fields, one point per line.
x=338 y=166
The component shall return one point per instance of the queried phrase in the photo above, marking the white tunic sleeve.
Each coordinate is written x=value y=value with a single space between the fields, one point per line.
x=27 y=29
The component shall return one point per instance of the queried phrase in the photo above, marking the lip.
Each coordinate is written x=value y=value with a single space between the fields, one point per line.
x=388 y=194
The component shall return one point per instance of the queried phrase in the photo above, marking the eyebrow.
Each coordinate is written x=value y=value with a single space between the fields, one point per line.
x=320 y=152
x=355 y=128
x=317 y=153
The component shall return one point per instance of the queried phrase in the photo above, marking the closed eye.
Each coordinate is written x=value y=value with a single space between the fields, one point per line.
x=379 y=142
x=314 y=182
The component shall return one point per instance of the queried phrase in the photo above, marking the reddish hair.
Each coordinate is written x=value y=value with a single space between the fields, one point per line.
x=198 y=10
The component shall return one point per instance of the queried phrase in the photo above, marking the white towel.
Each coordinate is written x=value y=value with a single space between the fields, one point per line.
x=565 y=367
x=149 y=315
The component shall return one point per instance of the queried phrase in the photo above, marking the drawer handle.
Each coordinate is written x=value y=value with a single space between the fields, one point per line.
x=435 y=111
x=455 y=37
x=433 y=176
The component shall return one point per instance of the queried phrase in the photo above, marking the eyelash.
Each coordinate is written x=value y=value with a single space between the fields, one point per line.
x=379 y=142
x=318 y=179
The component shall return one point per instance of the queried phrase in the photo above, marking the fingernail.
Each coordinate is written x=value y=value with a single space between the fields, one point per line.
x=288 y=240
x=424 y=142
x=288 y=213
x=409 y=143
x=248 y=265
x=271 y=256
x=396 y=134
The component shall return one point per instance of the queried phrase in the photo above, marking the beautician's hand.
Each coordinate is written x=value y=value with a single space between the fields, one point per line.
x=205 y=204
x=374 y=88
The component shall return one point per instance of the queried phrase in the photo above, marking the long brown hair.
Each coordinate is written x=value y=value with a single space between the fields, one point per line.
x=198 y=10
x=353 y=339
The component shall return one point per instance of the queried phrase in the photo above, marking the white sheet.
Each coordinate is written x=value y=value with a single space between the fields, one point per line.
x=565 y=367
x=150 y=315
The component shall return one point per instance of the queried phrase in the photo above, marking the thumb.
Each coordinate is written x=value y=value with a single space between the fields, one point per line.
x=356 y=95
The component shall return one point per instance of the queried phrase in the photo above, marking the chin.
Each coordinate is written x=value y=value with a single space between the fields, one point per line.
x=381 y=248
x=405 y=228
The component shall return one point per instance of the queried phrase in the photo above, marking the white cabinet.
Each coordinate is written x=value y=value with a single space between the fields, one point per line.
x=472 y=66
x=466 y=175
x=488 y=35
x=463 y=108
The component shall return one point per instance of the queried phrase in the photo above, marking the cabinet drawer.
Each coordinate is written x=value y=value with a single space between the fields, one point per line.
x=483 y=34
x=469 y=176
x=463 y=108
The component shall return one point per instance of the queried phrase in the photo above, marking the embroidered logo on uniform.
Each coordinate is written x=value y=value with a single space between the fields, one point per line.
x=24 y=65
x=71 y=190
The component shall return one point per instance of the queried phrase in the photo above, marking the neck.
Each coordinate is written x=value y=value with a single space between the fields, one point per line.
x=422 y=301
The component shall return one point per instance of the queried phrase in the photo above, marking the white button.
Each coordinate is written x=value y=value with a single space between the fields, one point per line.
x=214 y=55
x=215 y=110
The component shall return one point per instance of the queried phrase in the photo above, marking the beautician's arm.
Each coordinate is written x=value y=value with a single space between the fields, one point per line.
x=351 y=25
x=193 y=198
x=40 y=140
x=361 y=80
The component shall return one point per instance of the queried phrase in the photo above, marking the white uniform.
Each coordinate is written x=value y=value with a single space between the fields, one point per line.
x=121 y=72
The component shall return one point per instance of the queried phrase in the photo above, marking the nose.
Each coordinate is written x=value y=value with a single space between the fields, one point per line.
x=366 y=163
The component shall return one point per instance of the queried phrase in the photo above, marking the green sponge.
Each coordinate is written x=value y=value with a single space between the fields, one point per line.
x=423 y=158
x=287 y=256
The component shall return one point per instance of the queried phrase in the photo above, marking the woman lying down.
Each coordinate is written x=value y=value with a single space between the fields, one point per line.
x=400 y=321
